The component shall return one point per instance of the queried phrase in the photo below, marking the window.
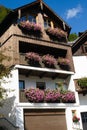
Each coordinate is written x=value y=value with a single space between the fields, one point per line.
x=21 y=19
x=41 y=85
x=21 y=84
x=47 y=23
x=60 y=85
x=32 y=19
x=84 y=120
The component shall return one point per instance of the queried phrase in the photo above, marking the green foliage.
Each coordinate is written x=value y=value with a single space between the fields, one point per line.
x=3 y=13
x=82 y=82
x=73 y=37
x=4 y=72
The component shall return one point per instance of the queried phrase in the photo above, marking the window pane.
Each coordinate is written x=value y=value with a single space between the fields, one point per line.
x=41 y=85
x=32 y=19
x=21 y=84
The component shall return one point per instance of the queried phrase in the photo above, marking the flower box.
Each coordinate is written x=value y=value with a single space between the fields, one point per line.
x=33 y=58
x=34 y=95
x=52 y=96
x=30 y=28
x=64 y=63
x=49 y=96
x=68 y=97
x=56 y=34
x=49 y=61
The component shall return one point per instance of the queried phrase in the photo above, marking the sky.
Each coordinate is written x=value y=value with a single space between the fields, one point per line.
x=73 y=12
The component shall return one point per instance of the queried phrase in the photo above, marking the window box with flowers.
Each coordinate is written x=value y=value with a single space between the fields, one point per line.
x=52 y=96
x=30 y=28
x=68 y=97
x=33 y=59
x=49 y=61
x=64 y=63
x=37 y=95
x=34 y=95
x=56 y=34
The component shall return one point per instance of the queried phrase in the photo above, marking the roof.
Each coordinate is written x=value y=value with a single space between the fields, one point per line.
x=79 y=41
x=36 y=4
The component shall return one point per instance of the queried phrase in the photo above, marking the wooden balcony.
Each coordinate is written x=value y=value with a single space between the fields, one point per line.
x=24 y=61
x=24 y=99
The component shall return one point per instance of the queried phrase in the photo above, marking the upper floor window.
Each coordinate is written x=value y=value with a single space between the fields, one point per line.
x=32 y=19
x=47 y=23
x=41 y=85
x=21 y=19
x=21 y=84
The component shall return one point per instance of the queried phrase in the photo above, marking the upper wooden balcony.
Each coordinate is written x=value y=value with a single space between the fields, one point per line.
x=42 y=69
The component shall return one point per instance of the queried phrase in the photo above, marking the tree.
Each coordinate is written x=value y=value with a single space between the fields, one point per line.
x=4 y=72
x=73 y=37
x=3 y=13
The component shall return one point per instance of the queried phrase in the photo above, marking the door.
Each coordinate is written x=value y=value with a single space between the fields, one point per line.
x=44 y=119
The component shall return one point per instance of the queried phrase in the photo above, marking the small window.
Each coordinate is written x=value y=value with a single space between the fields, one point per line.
x=41 y=85
x=21 y=19
x=21 y=84
x=32 y=19
x=47 y=23
x=61 y=85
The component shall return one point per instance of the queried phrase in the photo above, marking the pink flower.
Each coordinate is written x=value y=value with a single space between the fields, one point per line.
x=33 y=56
x=30 y=26
x=49 y=59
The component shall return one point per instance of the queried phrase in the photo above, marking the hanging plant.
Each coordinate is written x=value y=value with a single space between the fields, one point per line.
x=75 y=119
x=82 y=82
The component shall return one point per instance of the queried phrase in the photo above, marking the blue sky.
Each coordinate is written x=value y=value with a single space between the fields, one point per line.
x=74 y=12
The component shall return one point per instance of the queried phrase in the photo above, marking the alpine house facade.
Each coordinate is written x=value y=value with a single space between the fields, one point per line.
x=44 y=95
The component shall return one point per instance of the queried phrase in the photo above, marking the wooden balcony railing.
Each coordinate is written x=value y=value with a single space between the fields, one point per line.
x=22 y=96
x=68 y=97
x=24 y=61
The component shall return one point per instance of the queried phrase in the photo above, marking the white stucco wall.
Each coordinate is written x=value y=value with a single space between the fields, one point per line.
x=80 y=64
x=15 y=111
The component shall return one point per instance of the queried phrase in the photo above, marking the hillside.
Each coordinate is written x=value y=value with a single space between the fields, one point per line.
x=3 y=12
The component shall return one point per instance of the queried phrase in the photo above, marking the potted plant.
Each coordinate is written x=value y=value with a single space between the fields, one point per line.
x=49 y=60
x=82 y=83
x=68 y=97
x=33 y=58
x=52 y=96
x=64 y=63
x=30 y=28
x=34 y=95
x=75 y=119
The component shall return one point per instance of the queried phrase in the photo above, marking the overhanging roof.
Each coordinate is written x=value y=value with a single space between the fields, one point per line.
x=36 y=4
x=81 y=40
